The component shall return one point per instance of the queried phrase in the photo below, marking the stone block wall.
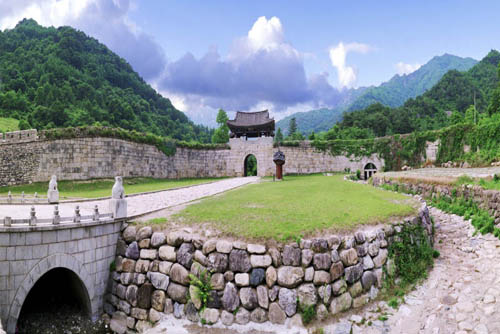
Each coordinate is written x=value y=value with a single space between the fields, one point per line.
x=250 y=282
x=306 y=159
x=27 y=253
x=86 y=158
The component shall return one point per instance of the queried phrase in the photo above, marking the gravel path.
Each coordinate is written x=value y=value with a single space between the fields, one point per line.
x=459 y=297
x=137 y=205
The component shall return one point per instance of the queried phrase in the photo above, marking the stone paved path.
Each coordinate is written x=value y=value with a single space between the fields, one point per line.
x=137 y=205
x=460 y=296
x=462 y=293
x=445 y=172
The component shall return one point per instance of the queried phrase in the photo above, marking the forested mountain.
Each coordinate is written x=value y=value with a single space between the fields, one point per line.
x=61 y=77
x=322 y=119
x=400 y=88
x=392 y=93
x=442 y=105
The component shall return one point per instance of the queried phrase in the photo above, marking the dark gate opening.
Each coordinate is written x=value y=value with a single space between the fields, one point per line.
x=369 y=170
x=58 y=298
x=250 y=168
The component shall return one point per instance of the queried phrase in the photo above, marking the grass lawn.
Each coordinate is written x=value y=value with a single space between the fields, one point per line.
x=296 y=207
x=8 y=124
x=102 y=187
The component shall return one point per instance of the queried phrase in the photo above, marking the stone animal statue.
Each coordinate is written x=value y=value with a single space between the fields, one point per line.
x=118 y=192
x=53 y=183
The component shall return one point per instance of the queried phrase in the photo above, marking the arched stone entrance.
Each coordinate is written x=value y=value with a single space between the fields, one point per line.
x=369 y=170
x=250 y=165
x=80 y=282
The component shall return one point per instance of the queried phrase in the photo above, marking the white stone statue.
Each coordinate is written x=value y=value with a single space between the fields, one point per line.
x=53 y=193
x=118 y=192
x=118 y=203
x=53 y=183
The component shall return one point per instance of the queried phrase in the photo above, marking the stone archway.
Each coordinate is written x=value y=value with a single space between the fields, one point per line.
x=250 y=165
x=45 y=265
x=369 y=170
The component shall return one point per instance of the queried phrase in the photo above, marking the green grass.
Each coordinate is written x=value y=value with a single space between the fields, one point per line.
x=102 y=187
x=298 y=206
x=8 y=124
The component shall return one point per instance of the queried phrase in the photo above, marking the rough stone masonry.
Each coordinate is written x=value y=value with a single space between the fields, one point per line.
x=250 y=282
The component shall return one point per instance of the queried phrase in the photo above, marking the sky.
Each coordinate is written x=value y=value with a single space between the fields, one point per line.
x=282 y=55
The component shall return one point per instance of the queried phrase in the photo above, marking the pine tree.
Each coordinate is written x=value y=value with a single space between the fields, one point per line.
x=279 y=136
x=292 y=127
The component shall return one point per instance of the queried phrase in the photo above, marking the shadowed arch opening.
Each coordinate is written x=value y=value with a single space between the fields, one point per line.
x=250 y=165
x=369 y=170
x=59 y=291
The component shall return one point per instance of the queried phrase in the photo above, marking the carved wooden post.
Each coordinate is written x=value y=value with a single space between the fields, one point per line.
x=7 y=221
x=36 y=197
x=22 y=197
x=279 y=160
x=9 y=199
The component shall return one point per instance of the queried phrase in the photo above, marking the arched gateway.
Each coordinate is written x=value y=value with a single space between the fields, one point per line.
x=369 y=170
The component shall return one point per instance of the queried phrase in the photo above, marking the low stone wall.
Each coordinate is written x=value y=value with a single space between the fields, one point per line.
x=485 y=199
x=250 y=282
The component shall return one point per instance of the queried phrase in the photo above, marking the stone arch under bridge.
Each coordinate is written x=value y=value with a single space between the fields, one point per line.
x=43 y=267
x=84 y=250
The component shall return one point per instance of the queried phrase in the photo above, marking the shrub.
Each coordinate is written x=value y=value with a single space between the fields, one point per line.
x=412 y=254
x=308 y=313
x=202 y=282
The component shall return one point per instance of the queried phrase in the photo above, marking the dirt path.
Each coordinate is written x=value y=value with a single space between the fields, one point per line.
x=459 y=297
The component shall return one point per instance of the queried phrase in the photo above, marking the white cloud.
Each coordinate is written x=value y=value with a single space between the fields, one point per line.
x=49 y=12
x=338 y=54
x=403 y=68
x=106 y=20
x=266 y=33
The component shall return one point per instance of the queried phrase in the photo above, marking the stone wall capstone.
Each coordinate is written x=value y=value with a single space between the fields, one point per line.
x=250 y=282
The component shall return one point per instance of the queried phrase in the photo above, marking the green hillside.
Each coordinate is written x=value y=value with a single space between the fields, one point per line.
x=399 y=89
x=61 y=77
x=444 y=104
x=322 y=119
x=392 y=93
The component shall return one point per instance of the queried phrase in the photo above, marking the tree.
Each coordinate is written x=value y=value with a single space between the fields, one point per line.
x=312 y=136
x=292 y=126
x=279 y=136
x=221 y=135
x=471 y=115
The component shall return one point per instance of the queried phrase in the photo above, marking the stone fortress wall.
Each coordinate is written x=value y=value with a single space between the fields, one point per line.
x=25 y=158
x=250 y=282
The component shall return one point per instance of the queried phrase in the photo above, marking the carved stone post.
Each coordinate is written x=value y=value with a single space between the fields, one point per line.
x=56 y=219
x=33 y=219
x=279 y=160
x=96 y=214
x=77 y=217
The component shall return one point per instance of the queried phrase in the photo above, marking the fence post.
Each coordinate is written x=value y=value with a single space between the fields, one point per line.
x=9 y=199
x=7 y=221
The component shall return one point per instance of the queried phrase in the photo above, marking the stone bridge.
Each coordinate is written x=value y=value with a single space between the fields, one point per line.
x=78 y=251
